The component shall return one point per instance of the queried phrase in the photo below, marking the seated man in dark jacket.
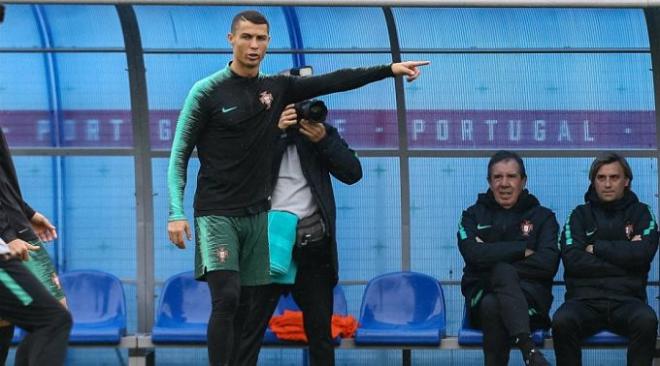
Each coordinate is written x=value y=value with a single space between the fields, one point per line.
x=509 y=244
x=607 y=247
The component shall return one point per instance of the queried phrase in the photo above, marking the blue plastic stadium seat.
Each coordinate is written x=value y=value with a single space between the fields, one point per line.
x=287 y=303
x=183 y=311
x=98 y=306
x=402 y=308
x=468 y=336
x=18 y=335
x=605 y=337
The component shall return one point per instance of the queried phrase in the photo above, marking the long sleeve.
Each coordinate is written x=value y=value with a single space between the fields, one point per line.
x=544 y=262
x=301 y=88
x=342 y=162
x=485 y=255
x=632 y=254
x=189 y=125
x=29 y=211
x=7 y=232
x=577 y=261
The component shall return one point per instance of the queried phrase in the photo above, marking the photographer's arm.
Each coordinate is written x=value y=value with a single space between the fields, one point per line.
x=341 y=161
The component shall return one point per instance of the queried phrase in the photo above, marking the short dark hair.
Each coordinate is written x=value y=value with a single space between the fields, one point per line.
x=609 y=157
x=251 y=16
x=503 y=155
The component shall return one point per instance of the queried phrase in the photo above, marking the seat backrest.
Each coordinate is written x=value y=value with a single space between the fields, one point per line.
x=403 y=298
x=94 y=296
x=339 y=305
x=184 y=300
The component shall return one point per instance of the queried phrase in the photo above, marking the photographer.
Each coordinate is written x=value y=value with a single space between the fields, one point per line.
x=310 y=152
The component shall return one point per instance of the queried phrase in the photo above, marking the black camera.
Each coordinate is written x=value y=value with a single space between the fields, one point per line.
x=313 y=110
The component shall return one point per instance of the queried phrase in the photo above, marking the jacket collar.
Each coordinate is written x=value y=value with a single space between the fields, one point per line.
x=628 y=199
x=525 y=201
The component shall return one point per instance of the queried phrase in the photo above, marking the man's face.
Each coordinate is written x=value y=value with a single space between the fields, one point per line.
x=506 y=183
x=249 y=42
x=610 y=182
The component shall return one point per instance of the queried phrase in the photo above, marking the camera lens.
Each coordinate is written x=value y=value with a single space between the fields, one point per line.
x=311 y=110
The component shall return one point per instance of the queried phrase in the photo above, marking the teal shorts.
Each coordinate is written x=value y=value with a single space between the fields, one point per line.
x=224 y=243
x=42 y=267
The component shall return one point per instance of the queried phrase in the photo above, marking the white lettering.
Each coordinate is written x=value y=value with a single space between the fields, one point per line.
x=164 y=130
x=43 y=129
x=93 y=130
x=418 y=127
x=564 y=132
x=587 y=137
x=116 y=128
x=466 y=130
x=339 y=125
x=491 y=128
x=69 y=130
x=514 y=130
x=539 y=130
x=442 y=130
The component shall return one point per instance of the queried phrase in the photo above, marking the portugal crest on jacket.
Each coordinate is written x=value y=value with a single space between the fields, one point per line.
x=629 y=230
x=266 y=98
x=526 y=227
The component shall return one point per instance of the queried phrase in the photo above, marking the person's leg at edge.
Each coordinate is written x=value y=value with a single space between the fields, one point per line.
x=313 y=292
x=571 y=323
x=261 y=297
x=638 y=322
x=26 y=303
x=496 y=344
x=225 y=288
x=505 y=285
x=257 y=305
x=6 y=335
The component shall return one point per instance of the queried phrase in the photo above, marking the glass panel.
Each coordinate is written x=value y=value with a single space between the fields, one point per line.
x=24 y=104
x=366 y=117
x=521 y=28
x=99 y=214
x=19 y=28
x=168 y=259
x=539 y=101
x=87 y=105
x=82 y=25
x=342 y=27
x=201 y=26
x=369 y=221
x=95 y=100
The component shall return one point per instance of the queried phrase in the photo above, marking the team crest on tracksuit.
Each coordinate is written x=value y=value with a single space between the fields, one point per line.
x=526 y=227
x=266 y=98
x=223 y=254
x=629 y=230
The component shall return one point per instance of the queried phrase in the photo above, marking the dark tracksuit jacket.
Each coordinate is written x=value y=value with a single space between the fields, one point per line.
x=14 y=212
x=24 y=300
x=506 y=235
x=618 y=268
x=232 y=120
x=318 y=161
